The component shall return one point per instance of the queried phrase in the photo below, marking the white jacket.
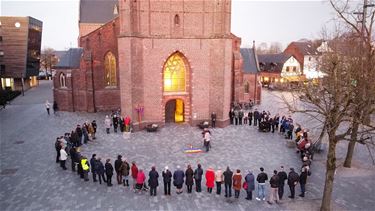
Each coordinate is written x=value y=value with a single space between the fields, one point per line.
x=219 y=177
x=63 y=155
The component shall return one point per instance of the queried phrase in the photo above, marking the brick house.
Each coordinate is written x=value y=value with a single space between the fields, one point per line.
x=251 y=76
x=172 y=62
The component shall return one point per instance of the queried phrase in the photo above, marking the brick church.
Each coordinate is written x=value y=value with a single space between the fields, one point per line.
x=158 y=61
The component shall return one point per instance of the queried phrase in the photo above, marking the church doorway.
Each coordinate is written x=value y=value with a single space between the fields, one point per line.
x=174 y=111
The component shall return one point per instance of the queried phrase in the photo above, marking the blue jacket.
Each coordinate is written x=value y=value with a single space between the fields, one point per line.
x=250 y=179
x=178 y=177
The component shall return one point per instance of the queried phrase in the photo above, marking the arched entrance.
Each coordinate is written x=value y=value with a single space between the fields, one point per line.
x=174 y=111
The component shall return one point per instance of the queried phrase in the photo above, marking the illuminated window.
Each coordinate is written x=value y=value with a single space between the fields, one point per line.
x=110 y=69
x=174 y=74
x=247 y=87
x=62 y=80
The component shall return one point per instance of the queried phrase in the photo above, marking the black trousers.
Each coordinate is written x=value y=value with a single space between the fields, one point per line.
x=94 y=176
x=240 y=120
x=62 y=164
x=57 y=156
x=152 y=191
x=236 y=193
x=189 y=188
x=73 y=166
x=231 y=120
x=101 y=176
x=250 y=121
x=198 y=186
x=255 y=122
x=292 y=190
x=109 y=179
x=209 y=190
x=167 y=188
x=249 y=195
x=281 y=191
x=218 y=188
x=213 y=123
x=236 y=120
x=228 y=190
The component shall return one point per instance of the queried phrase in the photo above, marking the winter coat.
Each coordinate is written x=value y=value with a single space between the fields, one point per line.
x=282 y=177
x=63 y=154
x=99 y=167
x=167 y=176
x=250 y=115
x=292 y=178
x=109 y=169
x=219 y=177
x=274 y=181
x=262 y=177
x=93 y=165
x=79 y=132
x=228 y=174
x=250 y=179
x=178 y=177
x=153 y=177
x=198 y=174
x=189 y=176
x=237 y=181
x=118 y=163
x=124 y=168
x=141 y=177
x=107 y=123
x=210 y=178
x=303 y=177
x=134 y=171
x=256 y=115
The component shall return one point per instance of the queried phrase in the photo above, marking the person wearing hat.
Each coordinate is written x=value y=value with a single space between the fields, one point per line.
x=167 y=178
x=178 y=179
x=293 y=179
x=282 y=177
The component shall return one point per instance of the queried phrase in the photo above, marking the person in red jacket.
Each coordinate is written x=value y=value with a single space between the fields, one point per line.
x=210 y=179
x=134 y=170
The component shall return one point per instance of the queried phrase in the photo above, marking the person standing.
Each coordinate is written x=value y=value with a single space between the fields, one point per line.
x=55 y=108
x=236 y=116
x=250 y=117
x=79 y=134
x=118 y=163
x=206 y=139
x=115 y=123
x=63 y=157
x=153 y=181
x=124 y=170
x=237 y=181
x=213 y=119
x=256 y=117
x=282 y=177
x=141 y=177
x=240 y=116
x=228 y=174
x=85 y=168
x=109 y=171
x=93 y=167
x=58 y=148
x=302 y=181
x=231 y=116
x=167 y=178
x=73 y=157
x=134 y=170
x=178 y=179
x=274 y=182
x=198 y=178
x=94 y=126
x=210 y=178
x=100 y=170
x=261 y=179
x=189 y=173
x=107 y=123
x=48 y=105
x=250 y=180
x=293 y=179
x=219 y=178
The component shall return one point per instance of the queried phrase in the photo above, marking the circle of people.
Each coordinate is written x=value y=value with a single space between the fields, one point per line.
x=70 y=144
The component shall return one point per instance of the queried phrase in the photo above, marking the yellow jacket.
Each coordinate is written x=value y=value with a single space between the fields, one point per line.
x=85 y=167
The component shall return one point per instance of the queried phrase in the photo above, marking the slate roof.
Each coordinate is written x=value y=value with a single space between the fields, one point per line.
x=273 y=62
x=307 y=47
x=250 y=60
x=71 y=59
x=97 y=11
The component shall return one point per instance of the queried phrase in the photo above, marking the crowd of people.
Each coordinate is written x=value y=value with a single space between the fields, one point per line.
x=70 y=144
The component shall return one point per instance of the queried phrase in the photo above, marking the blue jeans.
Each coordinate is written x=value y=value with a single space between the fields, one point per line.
x=262 y=191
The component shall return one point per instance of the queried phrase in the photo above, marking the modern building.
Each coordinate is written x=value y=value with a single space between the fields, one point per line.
x=158 y=61
x=20 y=43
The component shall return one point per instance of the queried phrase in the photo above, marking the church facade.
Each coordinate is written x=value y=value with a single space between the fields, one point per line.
x=159 y=61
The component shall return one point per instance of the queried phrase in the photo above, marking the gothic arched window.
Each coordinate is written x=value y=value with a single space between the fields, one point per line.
x=174 y=73
x=110 y=69
x=62 y=80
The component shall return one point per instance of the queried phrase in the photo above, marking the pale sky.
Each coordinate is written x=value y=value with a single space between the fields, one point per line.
x=262 y=21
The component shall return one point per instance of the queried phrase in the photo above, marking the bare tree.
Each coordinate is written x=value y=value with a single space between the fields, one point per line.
x=273 y=48
x=48 y=59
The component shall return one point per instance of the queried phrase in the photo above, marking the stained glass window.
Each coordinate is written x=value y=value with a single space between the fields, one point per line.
x=110 y=69
x=174 y=74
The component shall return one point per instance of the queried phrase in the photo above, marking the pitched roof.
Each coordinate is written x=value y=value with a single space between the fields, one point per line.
x=250 y=60
x=273 y=62
x=97 y=11
x=71 y=59
x=307 y=47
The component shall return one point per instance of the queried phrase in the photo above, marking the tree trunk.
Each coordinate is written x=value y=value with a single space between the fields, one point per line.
x=330 y=173
x=351 y=145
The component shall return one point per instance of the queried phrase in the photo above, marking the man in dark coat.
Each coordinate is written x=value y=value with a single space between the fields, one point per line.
x=274 y=183
x=58 y=148
x=256 y=117
x=153 y=182
x=80 y=134
x=109 y=171
x=178 y=179
x=198 y=178
x=282 y=177
x=228 y=174
x=250 y=117
x=100 y=170
x=240 y=116
x=73 y=157
x=293 y=179
x=231 y=116
x=93 y=167
x=118 y=163
x=115 y=121
x=213 y=119
x=302 y=181
x=95 y=126
x=189 y=173
x=167 y=178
